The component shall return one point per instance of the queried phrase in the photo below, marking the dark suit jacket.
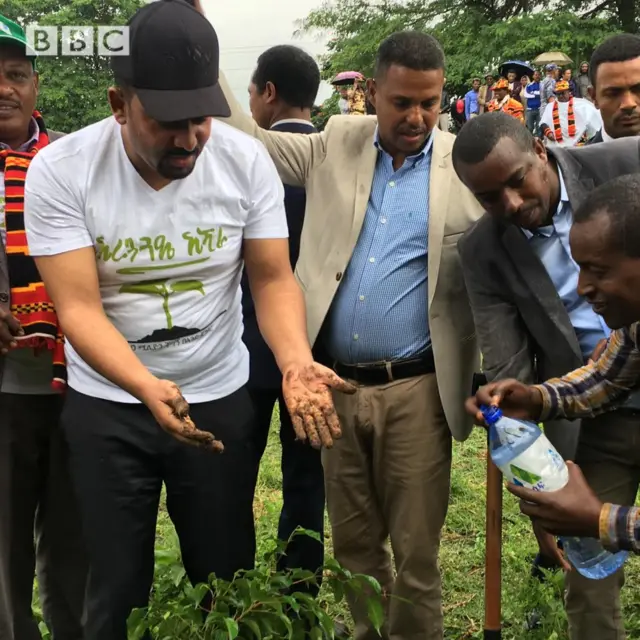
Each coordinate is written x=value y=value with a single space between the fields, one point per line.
x=597 y=138
x=523 y=329
x=264 y=372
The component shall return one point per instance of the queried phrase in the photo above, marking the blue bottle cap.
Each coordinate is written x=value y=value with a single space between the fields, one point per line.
x=491 y=414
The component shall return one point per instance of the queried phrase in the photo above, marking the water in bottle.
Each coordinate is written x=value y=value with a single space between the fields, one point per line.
x=526 y=457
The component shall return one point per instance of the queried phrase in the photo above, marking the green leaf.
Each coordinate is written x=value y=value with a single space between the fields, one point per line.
x=372 y=582
x=287 y=623
x=326 y=623
x=375 y=613
x=338 y=590
x=197 y=593
x=316 y=633
x=254 y=627
x=232 y=628
x=187 y=285
x=178 y=573
x=137 y=624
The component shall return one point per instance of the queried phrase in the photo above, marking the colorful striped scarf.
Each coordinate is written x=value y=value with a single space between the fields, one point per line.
x=557 y=129
x=30 y=303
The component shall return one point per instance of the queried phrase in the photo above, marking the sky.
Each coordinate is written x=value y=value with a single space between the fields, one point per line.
x=246 y=28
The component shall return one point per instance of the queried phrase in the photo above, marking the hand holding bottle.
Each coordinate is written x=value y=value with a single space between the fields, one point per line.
x=573 y=510
x=515 y=400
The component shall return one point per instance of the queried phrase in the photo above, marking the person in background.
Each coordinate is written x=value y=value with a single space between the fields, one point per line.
x=569 y=121
x=380 y=297
x=531 y=93
x=567 y=76
x=535 y=317
x=503 y=101
x=515 y=86
x=471 y=104
x=36 y=494
x=485 y=95
x=457 y=114
x=548 y=87
x=583 y=82
x=615 y=86
x=445 y=109
x=282 y=91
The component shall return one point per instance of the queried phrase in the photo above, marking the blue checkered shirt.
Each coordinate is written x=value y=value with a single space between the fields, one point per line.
x=380 y=309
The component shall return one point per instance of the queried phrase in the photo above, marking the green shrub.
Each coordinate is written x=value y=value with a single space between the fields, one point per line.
x=262 y=604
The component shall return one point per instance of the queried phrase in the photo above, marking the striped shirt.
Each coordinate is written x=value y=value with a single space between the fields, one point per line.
x=597 y=387
x=380 y=310
x=620 y=528
x=590 y=391
x=511 y=107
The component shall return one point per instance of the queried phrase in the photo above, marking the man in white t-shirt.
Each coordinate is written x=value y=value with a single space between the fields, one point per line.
x=139 y=225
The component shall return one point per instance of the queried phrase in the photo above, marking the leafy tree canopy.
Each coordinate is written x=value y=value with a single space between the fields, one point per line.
x=477 y=35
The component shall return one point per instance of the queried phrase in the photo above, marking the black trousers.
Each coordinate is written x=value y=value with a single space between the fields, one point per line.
x=302 y=486
x=36 y=495
x=120 y=458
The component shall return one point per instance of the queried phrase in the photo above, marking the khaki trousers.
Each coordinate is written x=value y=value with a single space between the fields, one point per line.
x=609 y=456
x=388 y=478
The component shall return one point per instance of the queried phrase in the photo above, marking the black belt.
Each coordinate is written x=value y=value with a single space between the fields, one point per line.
x=384 y=372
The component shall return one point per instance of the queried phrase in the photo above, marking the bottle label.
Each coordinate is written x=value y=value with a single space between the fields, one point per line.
x=540 y=467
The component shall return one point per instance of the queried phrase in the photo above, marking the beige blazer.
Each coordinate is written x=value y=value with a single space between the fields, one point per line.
x=336 y=167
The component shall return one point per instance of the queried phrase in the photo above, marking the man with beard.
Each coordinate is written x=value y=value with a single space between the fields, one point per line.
x=36 y=494
x=382 y=281
x=531 y=320
x=583 y=82
x=139 y=225
x=615 y=90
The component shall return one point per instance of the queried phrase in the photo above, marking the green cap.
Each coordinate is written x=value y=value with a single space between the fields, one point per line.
x=12 y=33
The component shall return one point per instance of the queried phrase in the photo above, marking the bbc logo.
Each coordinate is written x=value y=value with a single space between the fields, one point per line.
x=78 y=41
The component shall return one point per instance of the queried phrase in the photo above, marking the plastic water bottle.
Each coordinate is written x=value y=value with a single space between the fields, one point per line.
x=526 y=457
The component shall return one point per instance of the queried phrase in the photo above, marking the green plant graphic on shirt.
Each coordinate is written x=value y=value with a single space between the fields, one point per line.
x=160 y=288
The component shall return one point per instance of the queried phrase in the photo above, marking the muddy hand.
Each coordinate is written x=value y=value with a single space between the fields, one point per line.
x=171 y=410
x=307 y=393
x=189 y=433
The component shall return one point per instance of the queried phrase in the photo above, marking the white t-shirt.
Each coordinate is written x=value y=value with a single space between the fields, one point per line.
x=169 y=261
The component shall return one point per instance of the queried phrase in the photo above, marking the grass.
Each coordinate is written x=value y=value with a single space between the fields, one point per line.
x=462 y=554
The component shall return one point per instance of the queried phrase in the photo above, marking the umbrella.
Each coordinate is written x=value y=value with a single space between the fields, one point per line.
x=520 y=67
x=347 y=77
x=553 y=57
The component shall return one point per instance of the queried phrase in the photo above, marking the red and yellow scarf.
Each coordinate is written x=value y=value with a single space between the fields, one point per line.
x=30 y=303
x=557 y=130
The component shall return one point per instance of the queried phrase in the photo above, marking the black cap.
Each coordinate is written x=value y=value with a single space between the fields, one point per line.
x=173 y=63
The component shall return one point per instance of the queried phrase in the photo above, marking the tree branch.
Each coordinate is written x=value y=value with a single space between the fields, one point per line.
x=596 y=9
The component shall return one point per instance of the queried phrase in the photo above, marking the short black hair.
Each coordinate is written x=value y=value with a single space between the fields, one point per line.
x=292 y=71
x=479 y=136
x=618 y=200
x=618 y=48
x=411 y=49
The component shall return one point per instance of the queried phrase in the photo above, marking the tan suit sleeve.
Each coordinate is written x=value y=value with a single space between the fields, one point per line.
x=294 y=154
